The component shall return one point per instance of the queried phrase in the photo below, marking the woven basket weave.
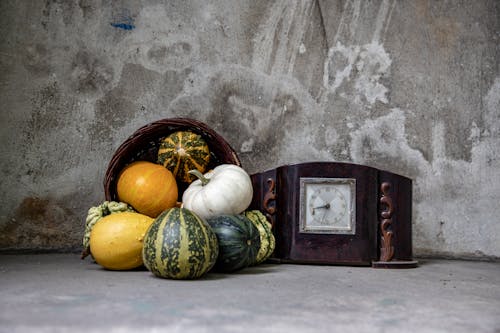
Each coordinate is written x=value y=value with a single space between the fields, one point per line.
x=143 y=145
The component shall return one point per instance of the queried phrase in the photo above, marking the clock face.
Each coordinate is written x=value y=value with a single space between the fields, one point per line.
x=327 y=205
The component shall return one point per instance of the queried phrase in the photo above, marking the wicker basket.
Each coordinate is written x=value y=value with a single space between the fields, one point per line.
x=143 y=145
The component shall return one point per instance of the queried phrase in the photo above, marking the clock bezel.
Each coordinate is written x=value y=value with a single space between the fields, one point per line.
x=304 y=226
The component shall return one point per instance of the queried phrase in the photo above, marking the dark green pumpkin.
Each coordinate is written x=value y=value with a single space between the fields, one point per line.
x=179 y=245
x=239 y=242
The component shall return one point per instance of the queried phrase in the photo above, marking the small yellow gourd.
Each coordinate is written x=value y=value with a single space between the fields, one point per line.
x=95 y=214
x=116 y=240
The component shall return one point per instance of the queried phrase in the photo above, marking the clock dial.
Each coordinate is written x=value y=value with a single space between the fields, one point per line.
x=327 y=205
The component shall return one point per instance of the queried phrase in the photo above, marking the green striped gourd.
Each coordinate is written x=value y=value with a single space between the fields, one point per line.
x=239 y=241
x=267 y=240
x=179 y=245
x=183 y=151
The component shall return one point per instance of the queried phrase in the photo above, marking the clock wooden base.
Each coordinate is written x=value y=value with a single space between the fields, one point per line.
x=337 y=214
x=395 y=264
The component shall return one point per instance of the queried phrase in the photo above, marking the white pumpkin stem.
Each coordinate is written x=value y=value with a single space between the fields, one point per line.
x=199 y=175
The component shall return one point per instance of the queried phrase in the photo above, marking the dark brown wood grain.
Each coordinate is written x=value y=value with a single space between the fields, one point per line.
x=401 y=217
x=386 y=211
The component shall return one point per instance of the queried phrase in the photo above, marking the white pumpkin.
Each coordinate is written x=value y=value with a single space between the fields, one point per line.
x=227 y=189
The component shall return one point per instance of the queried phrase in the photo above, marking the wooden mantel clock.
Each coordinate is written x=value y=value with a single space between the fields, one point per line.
x=337 y=214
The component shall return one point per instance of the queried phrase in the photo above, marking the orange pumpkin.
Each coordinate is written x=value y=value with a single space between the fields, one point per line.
x=148 y=187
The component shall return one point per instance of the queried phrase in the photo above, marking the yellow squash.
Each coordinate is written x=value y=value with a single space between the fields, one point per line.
x=116 y=240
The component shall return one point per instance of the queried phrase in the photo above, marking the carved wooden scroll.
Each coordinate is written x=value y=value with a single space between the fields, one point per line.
x=386 y=247
x=269 y=201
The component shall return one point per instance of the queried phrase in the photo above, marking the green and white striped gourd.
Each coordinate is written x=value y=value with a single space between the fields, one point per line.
x=183 y=151
x=179 y=245
x=267 y=240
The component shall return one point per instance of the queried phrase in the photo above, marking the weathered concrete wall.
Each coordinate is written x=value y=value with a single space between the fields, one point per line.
x=408 y=86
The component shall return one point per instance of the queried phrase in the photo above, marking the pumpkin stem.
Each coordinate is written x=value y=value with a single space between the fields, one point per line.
x=85 y=253
x=199 y=175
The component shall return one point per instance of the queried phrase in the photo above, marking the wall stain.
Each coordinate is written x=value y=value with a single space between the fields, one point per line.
x=90 y=73
x=88 y=7
x=36 y=59
x=263 y=114
x=38 y=223
x=49 y=136
x=442 y=31
x=440 y=235
x=161 y=54
x=54 y=8
x=121 y=105
x=45 y=103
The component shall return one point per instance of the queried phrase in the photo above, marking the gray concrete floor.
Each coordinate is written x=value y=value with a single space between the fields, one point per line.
x=61 y=293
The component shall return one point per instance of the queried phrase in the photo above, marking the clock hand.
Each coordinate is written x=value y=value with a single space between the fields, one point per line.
x=324 y=215
x=327 y=206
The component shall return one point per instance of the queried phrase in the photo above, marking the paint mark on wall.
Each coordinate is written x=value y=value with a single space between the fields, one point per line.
x=124 y=26
x=384 y=138
x=277 y=44
x=291 y=41
x=350 y=60
x=339 y=65
x=364 y=65
x=350 y=10
x=372 y=64
x=123 y=20
x=383 y=19
x=492 y=114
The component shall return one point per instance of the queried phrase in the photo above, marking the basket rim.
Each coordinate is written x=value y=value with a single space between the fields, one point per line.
x=123 y=155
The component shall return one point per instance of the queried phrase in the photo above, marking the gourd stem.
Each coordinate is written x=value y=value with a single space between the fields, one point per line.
x=203 y=179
